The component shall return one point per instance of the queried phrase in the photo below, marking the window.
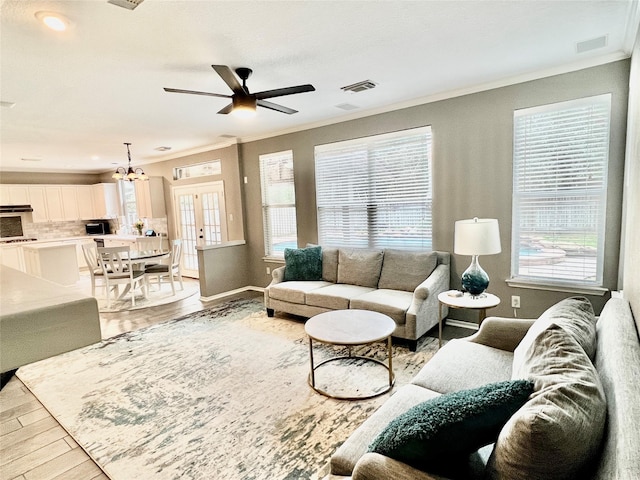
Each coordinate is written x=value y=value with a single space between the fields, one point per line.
x=376 y=191
x=278 y=203
x=128 y=201
x=560 y=161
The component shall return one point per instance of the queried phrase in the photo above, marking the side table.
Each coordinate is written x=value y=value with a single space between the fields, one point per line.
x=480 y=303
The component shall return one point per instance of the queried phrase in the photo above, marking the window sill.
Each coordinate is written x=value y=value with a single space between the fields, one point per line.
x=584 y=289
x=273 y=260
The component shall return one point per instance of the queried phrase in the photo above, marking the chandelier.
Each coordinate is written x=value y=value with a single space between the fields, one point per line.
x=130 y=174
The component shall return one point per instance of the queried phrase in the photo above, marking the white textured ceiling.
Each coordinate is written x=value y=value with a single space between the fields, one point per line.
x=80 y=94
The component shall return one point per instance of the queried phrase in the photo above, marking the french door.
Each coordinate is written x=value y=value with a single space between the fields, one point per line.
x=200 y=220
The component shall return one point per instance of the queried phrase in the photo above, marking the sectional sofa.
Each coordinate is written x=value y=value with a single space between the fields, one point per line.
x=401 y=284
x=581 y=421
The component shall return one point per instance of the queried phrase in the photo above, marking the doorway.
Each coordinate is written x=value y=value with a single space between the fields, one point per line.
x=200 y=220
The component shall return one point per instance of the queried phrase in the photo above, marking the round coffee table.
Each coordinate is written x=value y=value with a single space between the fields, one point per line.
x=350 y=328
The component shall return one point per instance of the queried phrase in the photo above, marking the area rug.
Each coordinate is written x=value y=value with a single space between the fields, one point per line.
x=219 y=394
x=158 y=295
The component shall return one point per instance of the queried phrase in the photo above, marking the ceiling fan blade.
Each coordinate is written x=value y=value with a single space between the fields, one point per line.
x=279 y=92
x=226 y=109
x=276 y=107
x=192 y=92
x=229 y=78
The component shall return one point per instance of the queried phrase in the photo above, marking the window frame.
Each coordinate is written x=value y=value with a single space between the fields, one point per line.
x=268 y=206
x=359 y=207
x=588 y=115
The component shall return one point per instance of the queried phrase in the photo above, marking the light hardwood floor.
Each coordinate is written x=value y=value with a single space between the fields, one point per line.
x=33 y=446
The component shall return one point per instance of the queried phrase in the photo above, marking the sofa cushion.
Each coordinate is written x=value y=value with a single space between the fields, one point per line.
x=559 y=430
x=575 y=315
x=435 y=435
x=303 y=264
x=294 y=292
x=357 y=266
x=330 y=265
x=346 y=456
x=393 y=303
x=403 y=270
x=335 y=296
x=617 y=361
x=461 y=364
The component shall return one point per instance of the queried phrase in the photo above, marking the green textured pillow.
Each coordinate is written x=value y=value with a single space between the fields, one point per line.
x=452 y=426
x=303 y=263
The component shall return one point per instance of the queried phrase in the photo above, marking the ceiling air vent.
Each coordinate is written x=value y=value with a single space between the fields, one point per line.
x=359 y=87
x=128 y=4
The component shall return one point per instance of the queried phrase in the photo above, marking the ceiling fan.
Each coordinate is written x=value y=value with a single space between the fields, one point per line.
x=242 y=101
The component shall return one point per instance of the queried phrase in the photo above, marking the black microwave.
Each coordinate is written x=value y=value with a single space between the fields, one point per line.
x=98 y=227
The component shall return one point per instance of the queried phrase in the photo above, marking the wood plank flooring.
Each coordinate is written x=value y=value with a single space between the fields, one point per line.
x=33 y=446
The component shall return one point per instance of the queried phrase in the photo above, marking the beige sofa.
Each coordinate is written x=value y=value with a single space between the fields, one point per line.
x=584 y=423
x=404 y=285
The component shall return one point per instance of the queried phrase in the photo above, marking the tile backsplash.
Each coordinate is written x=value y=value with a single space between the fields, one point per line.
x=54 y=230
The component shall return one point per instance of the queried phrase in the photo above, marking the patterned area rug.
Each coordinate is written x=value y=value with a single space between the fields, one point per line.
x=158 y=295
x=218 y=394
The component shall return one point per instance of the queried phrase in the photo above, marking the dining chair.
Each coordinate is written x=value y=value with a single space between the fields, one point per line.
x=90 y=252
x=118 y=269
x=170 y=270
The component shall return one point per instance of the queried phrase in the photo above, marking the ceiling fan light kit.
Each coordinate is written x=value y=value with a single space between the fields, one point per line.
x=129 y=174
x=244 y=103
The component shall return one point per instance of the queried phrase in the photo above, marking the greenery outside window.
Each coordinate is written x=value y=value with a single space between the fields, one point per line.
x=561 y=154
x=376 y=191
x=278 y=203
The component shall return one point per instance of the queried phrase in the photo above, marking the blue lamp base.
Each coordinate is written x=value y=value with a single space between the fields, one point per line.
x=474 y=279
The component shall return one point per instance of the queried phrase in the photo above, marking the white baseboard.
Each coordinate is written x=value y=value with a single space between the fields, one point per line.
x=462 y=324
x=231 y=292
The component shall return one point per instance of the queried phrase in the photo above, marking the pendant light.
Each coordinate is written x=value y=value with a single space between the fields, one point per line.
x=130 y=174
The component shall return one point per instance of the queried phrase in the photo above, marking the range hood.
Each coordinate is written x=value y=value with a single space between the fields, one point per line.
x=15 y=208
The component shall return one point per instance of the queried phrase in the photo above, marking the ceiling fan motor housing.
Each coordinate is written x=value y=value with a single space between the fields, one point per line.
x=244 y=73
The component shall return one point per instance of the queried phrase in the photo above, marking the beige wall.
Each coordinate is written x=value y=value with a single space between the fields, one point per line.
x=631 y=244
x=35 y=178
x=230 y=176
x=472 y=168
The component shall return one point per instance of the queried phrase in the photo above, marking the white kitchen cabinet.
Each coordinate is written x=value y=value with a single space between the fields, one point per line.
x=150 y=198
x=53 y=261
x=84 y=194
x=38 y=201
x=14 y=195
x=105 y=200
x=53 y=197
x=12 y=256
x=69 y=196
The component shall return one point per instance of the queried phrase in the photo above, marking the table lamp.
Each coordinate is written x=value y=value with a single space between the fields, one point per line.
x=476 y=236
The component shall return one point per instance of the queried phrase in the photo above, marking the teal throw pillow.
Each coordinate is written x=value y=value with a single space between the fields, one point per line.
x=303 y=263
x=437 y=434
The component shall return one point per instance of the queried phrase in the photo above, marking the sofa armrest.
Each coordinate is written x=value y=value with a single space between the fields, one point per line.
x=277 y=275
x=373 y=466
x=502 y=333
x=422 y=315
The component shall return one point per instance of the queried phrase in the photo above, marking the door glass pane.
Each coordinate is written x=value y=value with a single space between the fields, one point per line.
x=211 y=218
x=188 y=231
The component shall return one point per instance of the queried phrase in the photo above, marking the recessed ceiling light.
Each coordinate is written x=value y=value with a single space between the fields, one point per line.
x=162 y=149
x=53 y=20
x=7 y=104
x=31 y=159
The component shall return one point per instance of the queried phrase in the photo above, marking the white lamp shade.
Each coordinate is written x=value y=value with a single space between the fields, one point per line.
x=477 y=236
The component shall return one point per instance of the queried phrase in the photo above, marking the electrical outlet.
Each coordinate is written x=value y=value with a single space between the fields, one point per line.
x=268 y=271
x=515 y=301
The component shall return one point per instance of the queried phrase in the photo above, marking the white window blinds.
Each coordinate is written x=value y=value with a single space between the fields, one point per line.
x=561 y=154
x=376 y=191
x=278 y=203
